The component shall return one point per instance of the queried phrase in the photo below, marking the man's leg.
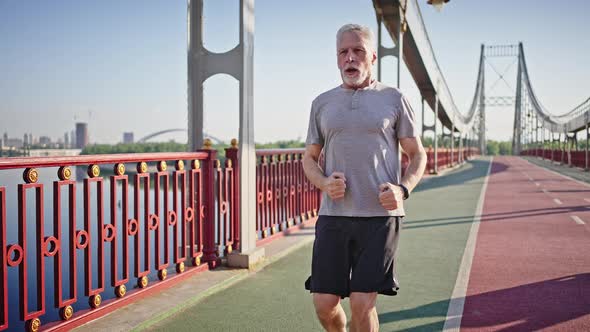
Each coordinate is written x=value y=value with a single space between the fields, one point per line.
x=364 y=314
x=330 y=312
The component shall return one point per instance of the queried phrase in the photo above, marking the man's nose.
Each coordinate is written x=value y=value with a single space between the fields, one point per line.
x=350 y=56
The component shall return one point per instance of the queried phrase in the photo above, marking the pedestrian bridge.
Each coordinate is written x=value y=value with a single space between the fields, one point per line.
x=488 y=244
x=143 y=241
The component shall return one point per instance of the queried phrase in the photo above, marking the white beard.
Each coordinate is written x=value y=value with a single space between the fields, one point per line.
x=352 y=81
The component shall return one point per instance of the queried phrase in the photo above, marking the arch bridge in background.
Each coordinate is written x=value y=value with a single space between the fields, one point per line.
x=174 y=130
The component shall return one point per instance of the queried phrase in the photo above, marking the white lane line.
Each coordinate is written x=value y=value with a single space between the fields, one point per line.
x=587 y=200
x=537 y=184
x=455 y=311
x=578 y=220
x=557 y=201
x=559 y=174
x=527 y=176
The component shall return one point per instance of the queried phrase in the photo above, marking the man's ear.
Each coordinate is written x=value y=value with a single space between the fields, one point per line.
x=374 y=57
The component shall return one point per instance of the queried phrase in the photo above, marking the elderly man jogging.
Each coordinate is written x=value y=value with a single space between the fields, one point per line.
x=360 y=126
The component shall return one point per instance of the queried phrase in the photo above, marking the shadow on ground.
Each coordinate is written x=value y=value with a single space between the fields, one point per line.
x=529 y=307
x=492 y=217
x=466 y=173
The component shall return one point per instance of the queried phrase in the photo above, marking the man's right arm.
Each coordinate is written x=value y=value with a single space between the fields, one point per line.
x=311 y=165
x=334 y=185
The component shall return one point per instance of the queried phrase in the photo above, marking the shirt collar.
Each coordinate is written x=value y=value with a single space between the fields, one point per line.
x=371 y=86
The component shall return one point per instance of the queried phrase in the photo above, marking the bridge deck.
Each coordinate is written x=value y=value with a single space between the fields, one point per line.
x=530 y=270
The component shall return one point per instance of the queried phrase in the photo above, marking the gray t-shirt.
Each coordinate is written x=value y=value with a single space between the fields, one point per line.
x=359 y=131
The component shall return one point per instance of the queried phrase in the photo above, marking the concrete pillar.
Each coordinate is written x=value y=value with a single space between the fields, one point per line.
x=196 y=64
x=400 y=44
x=382 y=51
x=246 y=137
x=562 y=147
x=239 y=63
x=422 y=119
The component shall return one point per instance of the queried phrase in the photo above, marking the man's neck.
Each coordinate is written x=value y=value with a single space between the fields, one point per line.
x=363 y=85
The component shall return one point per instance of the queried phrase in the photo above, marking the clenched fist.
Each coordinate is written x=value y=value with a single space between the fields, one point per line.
x=390 y=196
x=335 y=185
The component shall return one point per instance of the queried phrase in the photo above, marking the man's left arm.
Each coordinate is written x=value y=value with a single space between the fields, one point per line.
x=391 y=196
x=412 y=146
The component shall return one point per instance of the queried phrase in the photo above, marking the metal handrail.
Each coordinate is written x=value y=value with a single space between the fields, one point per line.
x=23 y=162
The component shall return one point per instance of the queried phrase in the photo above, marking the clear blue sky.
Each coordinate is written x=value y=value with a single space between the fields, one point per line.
x=121 y=65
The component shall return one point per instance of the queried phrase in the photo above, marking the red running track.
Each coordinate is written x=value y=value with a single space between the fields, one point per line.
x=531 y=265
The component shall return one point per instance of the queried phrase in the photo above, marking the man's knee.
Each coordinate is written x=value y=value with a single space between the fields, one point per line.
x=325 y=304
x=362 y=303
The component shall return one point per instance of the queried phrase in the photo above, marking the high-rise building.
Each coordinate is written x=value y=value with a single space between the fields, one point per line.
x=45 y=141
x=72 y=139
x=128 y=138
x=26 y=140
x=81 y=135
x=5 y=137
x=66 y=140
x=15 y=143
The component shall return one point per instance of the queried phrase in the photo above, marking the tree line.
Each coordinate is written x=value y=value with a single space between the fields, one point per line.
x=492 y=147
x=177 y=147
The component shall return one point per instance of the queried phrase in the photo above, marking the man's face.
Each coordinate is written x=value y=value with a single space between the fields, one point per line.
x=355 y=60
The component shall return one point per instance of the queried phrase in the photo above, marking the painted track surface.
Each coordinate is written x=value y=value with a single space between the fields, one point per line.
x=531 y=267
x=440 y=214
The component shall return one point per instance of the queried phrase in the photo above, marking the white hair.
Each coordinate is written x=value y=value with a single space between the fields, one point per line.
x=363 y=31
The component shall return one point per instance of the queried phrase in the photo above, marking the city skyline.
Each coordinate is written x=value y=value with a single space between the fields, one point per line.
x=121 y=67
x=27 y=139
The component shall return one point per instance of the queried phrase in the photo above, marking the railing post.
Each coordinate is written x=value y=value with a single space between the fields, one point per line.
x=435 y=133
x=553 y=154
x=569 y=144
x=430 y=160
x=461 y=150
x=587 y=140
x=231 y=153
x=562 y=146
x=209 y=246
x=453 y=141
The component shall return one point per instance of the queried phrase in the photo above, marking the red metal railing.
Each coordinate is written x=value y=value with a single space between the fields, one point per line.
x=284 y=196
x=189 y=215
x=576 y=158
x=444 y=158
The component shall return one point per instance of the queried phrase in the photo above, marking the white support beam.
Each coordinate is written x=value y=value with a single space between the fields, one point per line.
x=239 y=63
x=246 y=138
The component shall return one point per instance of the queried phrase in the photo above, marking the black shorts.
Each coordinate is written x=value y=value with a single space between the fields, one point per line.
x=354 y=254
